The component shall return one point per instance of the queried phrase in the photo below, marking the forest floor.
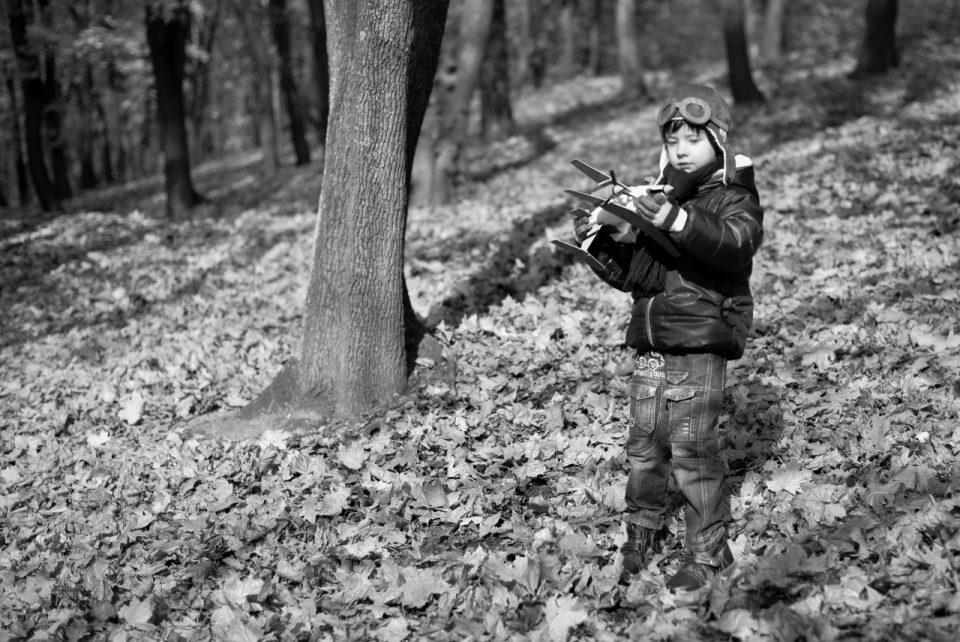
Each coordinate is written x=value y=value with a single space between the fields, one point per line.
x=491 y=509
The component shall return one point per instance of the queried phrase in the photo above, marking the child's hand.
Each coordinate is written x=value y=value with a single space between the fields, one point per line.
x=650 y=203
x=662 y=210
x=581 y=227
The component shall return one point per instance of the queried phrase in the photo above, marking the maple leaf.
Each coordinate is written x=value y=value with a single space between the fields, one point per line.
x=788 y=478
x=395 y=630
x=131 y=408
x=435 y=495
x=352 y=456
x=420 y=586
x=562 y=613
x=275 y=438
x=236 y=590
x=136 y=612
x=739 y=623
x=98 y=439
x=818 y=506
x=333 y=503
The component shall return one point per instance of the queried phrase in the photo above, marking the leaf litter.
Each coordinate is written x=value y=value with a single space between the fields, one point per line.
x=491 y=510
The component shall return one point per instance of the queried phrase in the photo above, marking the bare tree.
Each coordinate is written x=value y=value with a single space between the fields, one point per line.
x=321 y=68
x=496 y=110
x=167 y=36
x=771 y=41
x=258 y=49
x=742 y=86
x=35 y=97
x=358 y=315
x=628 y=52
x=452 y=103
x=878 y=50
x=280 y=23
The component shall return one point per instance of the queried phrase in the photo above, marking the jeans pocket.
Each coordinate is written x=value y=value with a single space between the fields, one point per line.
x=643 y=407
x=685 y=410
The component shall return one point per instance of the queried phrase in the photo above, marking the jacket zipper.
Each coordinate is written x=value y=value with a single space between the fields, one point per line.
x=646 y=320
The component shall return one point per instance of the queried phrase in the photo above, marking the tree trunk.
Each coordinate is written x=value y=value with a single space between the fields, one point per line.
x=524 y=41
x=567 y=67
x=454 y=108
x=34 y=104
x=742 y=87
x=878 y=51
x=354 y=355
x=628 y=53
x=771 y=41
x=262 y=85
x=167 y=40
x=288 y=85
x=53 y=123
x=23 y=182
x=88 y=175
x=200 y=80
x=321 y=69
x=496 y=112
x=596 y=36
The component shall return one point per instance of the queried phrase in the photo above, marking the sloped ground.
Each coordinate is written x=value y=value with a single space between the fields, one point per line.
x=493 y=510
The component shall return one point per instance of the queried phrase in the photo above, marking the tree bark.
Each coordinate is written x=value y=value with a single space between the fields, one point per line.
x=742 y=87
x=288 y=85
x=262 y=86
x=358 y=313
x=567 y=66
x=524 y=41
x=496 y=112
x=454 y=107
x=88 y=174
x=167 y=40
x=34 y=104
x=628 y=53
x=354 y=331
x=23 y=181
x=771 y=42
x=878 y=50
x=321 y=69
x=200 y=81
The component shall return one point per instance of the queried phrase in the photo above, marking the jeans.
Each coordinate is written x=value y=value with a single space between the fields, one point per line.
x=675 y=411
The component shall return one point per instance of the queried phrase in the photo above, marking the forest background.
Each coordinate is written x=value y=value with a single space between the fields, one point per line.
x=485 y=504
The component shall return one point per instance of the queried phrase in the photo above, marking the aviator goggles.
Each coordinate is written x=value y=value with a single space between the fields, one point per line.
x=693 y=110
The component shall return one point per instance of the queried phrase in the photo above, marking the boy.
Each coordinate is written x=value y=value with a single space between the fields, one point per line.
x=690 y=316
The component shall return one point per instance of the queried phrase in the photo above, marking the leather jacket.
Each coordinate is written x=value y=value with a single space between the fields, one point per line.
x=706 y=304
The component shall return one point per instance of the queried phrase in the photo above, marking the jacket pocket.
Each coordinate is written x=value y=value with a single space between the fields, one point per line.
x=643 y=407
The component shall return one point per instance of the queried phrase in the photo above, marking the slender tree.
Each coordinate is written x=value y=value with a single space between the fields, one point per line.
x=199 y=78
x=569 y=38
x=23 y=181
x=878 y=50
x=168 y=31
x=628 y=53
x=453 y=107
x=321 y=67
x=742 y=87
x=771 y=40
x=262 y=86
x=280 y=23
x=35 y=96
x=496 y=110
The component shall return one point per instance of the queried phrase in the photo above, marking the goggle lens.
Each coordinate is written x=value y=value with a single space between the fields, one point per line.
x=692 y=110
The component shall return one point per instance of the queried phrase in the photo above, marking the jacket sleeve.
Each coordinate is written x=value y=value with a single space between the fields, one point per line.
x=727 y=239
x=615 y=257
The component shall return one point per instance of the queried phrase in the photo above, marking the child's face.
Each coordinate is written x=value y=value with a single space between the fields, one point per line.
x=689 y=149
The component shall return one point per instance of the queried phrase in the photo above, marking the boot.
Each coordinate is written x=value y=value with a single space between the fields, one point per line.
x=699 y=568
x=638 y=550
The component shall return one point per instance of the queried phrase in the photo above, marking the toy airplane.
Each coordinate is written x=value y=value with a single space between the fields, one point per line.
x=607 y=212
